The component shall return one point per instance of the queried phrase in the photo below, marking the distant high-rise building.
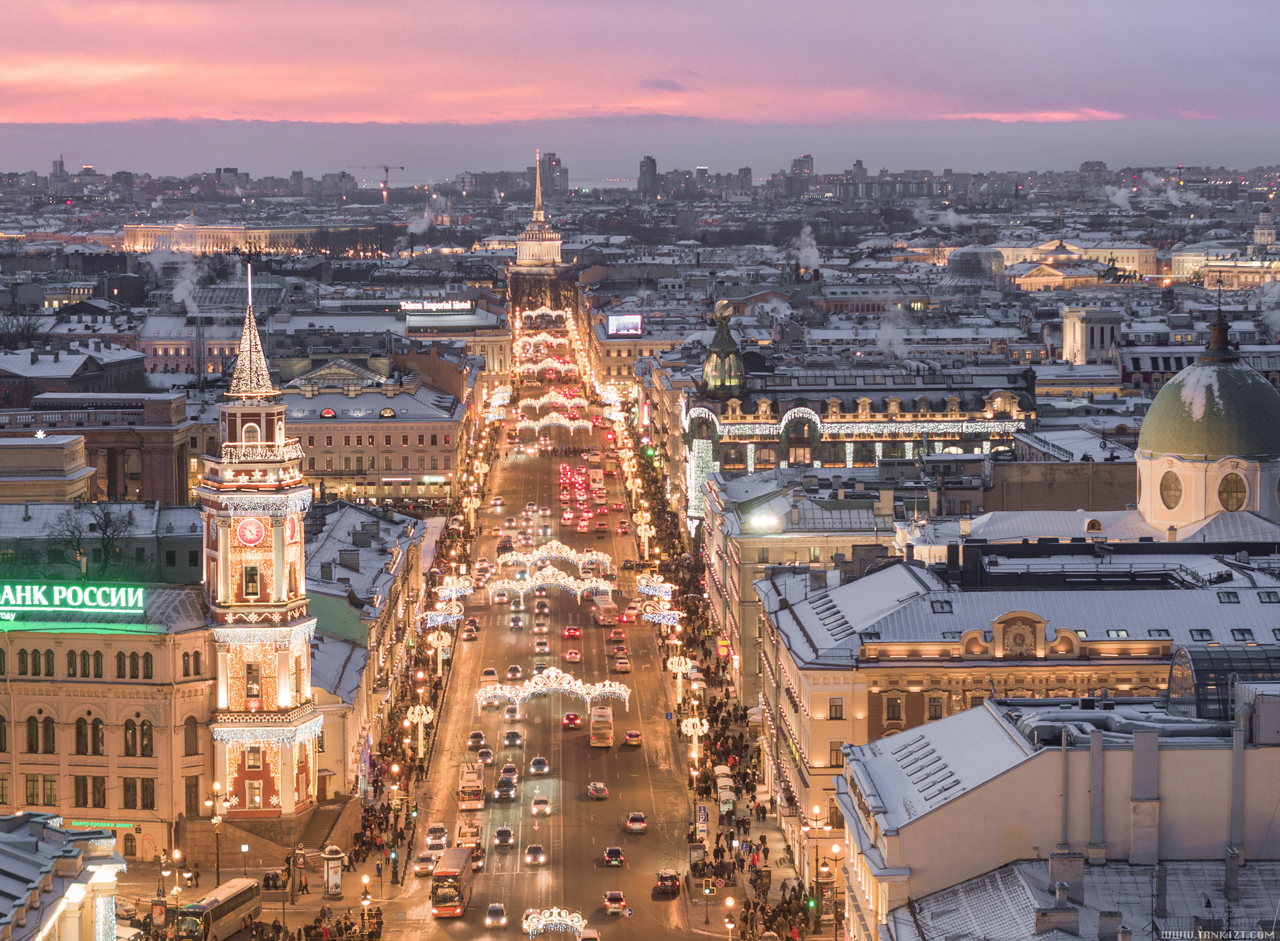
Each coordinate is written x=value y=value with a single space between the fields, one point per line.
x=745 y=180
x=647 y=184
x=59 y=168
x=802 y=165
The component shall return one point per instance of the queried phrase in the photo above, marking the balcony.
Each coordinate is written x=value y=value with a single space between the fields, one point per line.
x=261 y=451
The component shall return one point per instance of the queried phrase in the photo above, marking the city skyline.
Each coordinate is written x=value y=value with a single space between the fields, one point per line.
x=438 y=90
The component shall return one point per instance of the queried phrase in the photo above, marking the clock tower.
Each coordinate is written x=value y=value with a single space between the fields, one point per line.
x=252 y=501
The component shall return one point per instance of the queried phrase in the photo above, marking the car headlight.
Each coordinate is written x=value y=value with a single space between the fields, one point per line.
x=542 y=859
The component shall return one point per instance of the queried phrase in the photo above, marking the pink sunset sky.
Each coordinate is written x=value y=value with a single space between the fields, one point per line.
x=736 y=64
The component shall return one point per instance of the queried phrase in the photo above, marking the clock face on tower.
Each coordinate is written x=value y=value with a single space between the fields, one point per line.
x=291 y=529
x=250 y=531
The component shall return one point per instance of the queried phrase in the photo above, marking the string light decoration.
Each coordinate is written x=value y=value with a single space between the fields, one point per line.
x=701 y=466
x=536 y=558
x=659 y=611
x=268 y=503
x=297 y=633
x=447 y=612
x=256 y=734
x=527 y=343
x=648 y=584
x=694 y=727
x=553 y=679
x=679 y=665
x=554 y=919
x=422 y=715
x=263 y=654
x=553 y=419
x=551 y=577
x=946 y=428
x=559 y=363
x=554 y=398
x=454 y=586
x=500 y=396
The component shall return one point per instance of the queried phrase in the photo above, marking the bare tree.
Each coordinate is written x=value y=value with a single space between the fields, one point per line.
x=88 y=526
x=19 y=329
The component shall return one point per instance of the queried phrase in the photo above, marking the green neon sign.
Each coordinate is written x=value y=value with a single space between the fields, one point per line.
x=38 y=596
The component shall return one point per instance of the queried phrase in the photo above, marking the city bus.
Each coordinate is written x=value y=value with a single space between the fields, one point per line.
x=601 y=726
x=595 y=479
x=451 y=883
x=471 y=788
x=227 y=910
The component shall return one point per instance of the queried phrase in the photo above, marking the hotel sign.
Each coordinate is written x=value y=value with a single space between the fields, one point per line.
x=44 y=596
x=437 y=307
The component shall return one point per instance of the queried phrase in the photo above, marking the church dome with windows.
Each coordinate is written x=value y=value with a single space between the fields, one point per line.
x=1210 y=443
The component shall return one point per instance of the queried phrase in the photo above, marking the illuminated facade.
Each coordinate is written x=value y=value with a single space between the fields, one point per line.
x=253 y=498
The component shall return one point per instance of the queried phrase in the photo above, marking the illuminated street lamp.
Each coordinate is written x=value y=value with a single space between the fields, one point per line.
x=216 y=803
x=422 y=715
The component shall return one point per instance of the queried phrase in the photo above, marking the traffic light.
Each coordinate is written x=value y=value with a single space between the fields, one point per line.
x=648 y=452
x=393 y=854
x=813 y=903
x=708 y=888
x=722 y=647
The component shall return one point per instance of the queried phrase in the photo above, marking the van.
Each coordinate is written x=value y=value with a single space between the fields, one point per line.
x=606 y=612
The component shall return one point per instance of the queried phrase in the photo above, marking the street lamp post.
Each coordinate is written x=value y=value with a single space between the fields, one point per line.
x=215 y=802
x=364 y=906
x=244 y=858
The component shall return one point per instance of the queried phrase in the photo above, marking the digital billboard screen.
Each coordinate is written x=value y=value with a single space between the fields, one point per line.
x=624 y=325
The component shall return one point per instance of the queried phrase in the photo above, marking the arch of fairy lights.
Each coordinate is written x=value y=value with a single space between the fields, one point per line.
x=500 y=396
x=526 y=343
x=455 y=586
x=554 y=680
x=679 y=665
x=535 y=558
x=553 y=419
x=446 y=612
x=551 y=577
x=561 y=363
x=659 y=611
x=610 y=395
x=554 y=919
x=554 y=398
x=648 y=584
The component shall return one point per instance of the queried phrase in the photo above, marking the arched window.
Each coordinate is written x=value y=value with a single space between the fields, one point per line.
x=130 y=845
x=50 y=737
x=84 y=664
x=97 y=664
x=148 y=664
x=82 y=737
x=35 y=662
x=190 y=735
x=1093 y=526
x=4 y=734
x=98 y=741
x=4 y=664
x=130 y=739
x=33 y=735
x=71 y=663
x=22 y=663
x=148 y=747
x=133 y=665
x=48 y=663
x=120 y=665
x=250 y=435
x=195 y=664
x=186 y=664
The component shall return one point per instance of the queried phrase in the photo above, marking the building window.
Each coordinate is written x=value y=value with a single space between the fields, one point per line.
x=190 y=736
x=1228 y=597
x=99 y=792
x=148 y=666
x=130 y=793
x=422 y=462
x=98 y=737
x=84 y=663
x=319 y=744
x=975 y=701
x=130 y=845
x=421 y=440
x=893 y=709
x=49 y=736
x=4 y=789
x=130 y=739
x=346 y=441
x=815 y=554
x=148 y=739
x=836 y=755
x=386 y=441
x=81 y=791
x=328 y=463
x=386 y=462
x=120 y=665
x=935 y=707
x=71 y=663
x=433 y=440
x=195 y=664
x=835 y=707
x=22 y=663
x=252 y=681
x=4 y=737
x=33 y=789
x=1170 y=490
x=253 y=758
x=82 y=738
x=186 y=664
x=1232 y=492
x=1117 y=632
x=311 y=463
x=97 y=664
x=253 y=795
x=33 y=736
x=1242 y=634
x=51 y=790
x=328 y=441
x=35 y=663
x=251 y=586
x=148 y=793
x=140 y=556
x=133 y=666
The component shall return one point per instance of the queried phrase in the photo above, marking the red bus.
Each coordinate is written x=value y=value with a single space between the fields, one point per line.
x=451 y=883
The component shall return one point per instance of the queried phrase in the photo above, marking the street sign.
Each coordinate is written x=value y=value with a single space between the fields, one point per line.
x=703 y=820
x=668 y=717
x=719 y=883
x=630 y=913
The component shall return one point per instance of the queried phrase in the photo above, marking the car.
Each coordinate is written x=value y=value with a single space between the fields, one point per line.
x=512 y=714
x=500 y=596
x=632 y=737
x=566 y=516
x=628 y=565
x=668 y=883
x=514 y=672
x=509 y=523
x=437 y=831
x=496 y=916
x=581 y=507
x=571 y=720
x=541 y=646
x=633 y=610
x=602 y=511
x=571 y=632
x=424 y=864
x=622 y=666
x=587 y=515
x=544 y=529
x=526 y=539
x=521 y=575
x=597 y=791
x=469 y=633
x=503 y=838
x=544 y=511
x=473 y=623
x=542 y=606
x=485 y=756
x=636 y=822
x=512 y=739
x=497 y=531
x=497 y=501
x=572 y=656
x=516 y=623
x=619 y=506
x=613 y=856
x=619 y=651
x=489 y=673
x=475 y=741
x=531 y=507
x=582 y=527
x=617 y=634
x=540 y=625
x=540 y=806
x=534 y=854
x=615 y=903
x=505 y=789
x=540 y=591
x=623 y=529
x=540 y=666
x=517 y=605
x=539 y=765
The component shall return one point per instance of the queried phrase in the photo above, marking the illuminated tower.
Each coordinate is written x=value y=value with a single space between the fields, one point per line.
x=252 y=501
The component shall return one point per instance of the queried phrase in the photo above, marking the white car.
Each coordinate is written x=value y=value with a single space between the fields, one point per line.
x=622 y=666
x=541 y=646
x=573 y=656
x=436 y=831
x=540 y=806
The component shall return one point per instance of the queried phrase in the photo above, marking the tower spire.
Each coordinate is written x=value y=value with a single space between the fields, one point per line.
x=538 y=214
x=251 y=378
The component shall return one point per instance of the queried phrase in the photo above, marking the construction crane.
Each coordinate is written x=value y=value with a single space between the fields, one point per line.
x=386 y=176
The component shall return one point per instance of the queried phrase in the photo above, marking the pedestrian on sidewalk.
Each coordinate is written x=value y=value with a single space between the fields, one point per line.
x=305 y=890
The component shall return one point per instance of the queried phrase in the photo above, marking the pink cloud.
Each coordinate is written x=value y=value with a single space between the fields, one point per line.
x=1038 y=117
